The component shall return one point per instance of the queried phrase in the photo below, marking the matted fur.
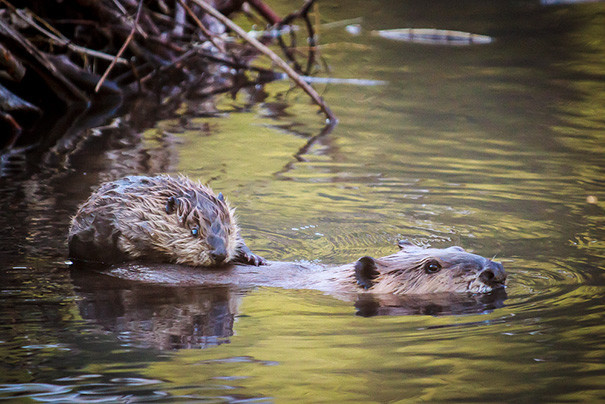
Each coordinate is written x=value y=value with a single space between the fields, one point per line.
x=132 y=218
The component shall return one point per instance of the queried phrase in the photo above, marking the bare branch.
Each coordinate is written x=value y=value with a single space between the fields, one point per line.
x=199 y=23
x=122 y=49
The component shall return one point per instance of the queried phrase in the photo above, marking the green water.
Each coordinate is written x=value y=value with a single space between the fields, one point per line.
x=499 y=148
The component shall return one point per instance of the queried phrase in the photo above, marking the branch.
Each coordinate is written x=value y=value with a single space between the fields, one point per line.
x=202 y=27
x=39 y=62
x=122 y=49
x=27 y=17
x=274 y=58
x=266 y=11
x=303 y=10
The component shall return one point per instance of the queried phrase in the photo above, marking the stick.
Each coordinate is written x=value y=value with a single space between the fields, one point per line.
x=179 y=19
x=62 y=40
x=205 y=30
x=122 y=49
x=274 y=58
x=266 y=11
x=303 y=10
x=28 y=53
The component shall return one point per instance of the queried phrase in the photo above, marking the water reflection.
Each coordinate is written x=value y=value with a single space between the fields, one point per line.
x=156 y=316
x=433 y=305
x=144 y=314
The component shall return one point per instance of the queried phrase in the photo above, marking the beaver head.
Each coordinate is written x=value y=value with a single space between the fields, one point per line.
x=416 y=270
x=204 y=231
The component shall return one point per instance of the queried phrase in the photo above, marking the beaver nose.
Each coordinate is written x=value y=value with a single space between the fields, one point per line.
x=493 y=274
x=218 y=257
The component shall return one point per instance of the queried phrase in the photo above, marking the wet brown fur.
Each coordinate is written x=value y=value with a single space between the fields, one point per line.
x=152 y=218
x=406 y=272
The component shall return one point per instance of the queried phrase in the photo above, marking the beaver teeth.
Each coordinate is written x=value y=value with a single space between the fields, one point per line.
x=473 y=287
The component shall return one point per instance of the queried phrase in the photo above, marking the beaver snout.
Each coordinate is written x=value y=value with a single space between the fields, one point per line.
x=218 y=254
x=493 y=274
x=218 y=257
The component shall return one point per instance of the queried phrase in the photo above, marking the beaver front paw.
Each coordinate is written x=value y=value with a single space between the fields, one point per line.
x=247 y=257
x=252 y=259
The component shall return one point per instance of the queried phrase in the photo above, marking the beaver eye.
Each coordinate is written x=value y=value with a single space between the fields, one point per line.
x=432 y=267
x=195 y=231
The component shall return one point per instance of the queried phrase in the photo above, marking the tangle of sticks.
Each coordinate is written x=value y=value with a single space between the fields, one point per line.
x=75 y=51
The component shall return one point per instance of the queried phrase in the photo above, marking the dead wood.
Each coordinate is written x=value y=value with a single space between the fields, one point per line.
x=12 y=66
x=123 y=48
x=76 y=50
x=38 y=61
x=11 y=102
x=274 y=58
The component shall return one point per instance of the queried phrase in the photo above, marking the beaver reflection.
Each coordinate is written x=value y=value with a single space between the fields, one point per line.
x=170 y=317
x=437 y=304
x=165 y=318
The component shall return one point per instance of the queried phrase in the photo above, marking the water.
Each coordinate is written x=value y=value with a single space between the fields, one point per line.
x=498 y=148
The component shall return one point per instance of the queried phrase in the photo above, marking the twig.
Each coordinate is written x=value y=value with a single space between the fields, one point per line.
x=176 y=62
x=122 y=49
x=179 y=19
x=266 y=11
x=11 y=65
x=199 y=23
x=304 y=14
x=288 y=52
x=15 y=129
x=28 y=53
x=303 y=10
x=236 y=64
x=62 y=40
x=312 y=43
x=274 y=58
x=120 y=7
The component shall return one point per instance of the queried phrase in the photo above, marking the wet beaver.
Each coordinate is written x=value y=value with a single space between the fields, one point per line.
x=163 y=219
x=412 y=270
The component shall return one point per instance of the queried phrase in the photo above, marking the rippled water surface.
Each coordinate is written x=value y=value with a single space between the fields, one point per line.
x=499 y=148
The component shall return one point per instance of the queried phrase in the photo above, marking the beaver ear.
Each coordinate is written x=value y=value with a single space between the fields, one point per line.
x=406 y=245
x=220 y=197
x=366 y=271
x=171 y=205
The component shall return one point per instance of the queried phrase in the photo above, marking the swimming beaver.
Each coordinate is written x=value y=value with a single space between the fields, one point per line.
x=159 y=218
x=412 y=270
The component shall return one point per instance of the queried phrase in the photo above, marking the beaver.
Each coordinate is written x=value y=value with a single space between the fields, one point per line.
x=410 y=271
x=161 y=219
